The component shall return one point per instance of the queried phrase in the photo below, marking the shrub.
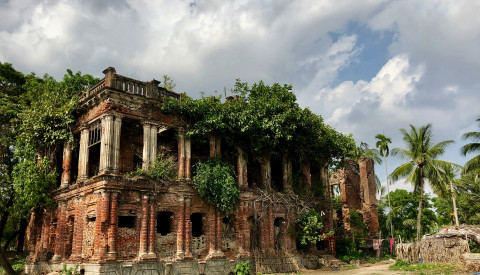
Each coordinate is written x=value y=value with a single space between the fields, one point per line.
x=162 y=168
x=216 y=184
x=242 y=268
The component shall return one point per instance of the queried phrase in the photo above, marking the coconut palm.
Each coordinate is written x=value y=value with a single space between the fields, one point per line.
x=449 y=173
x=422 y=163
x=474 y=147
x=382 y=146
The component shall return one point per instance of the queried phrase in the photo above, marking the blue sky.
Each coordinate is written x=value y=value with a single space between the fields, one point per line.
x=366 y=67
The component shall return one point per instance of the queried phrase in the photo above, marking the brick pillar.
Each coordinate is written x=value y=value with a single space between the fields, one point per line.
x=59 y=249
x=212 y=217
x=307 y=176
x=66 y=164
x=287 y=172
x=180 y=228
x=188 y=157
x=101 y=225
x=246 y=229
x=188 y=228
x=245 y=171
x=153 y=143
x=113 y=226
x=116 y=142
x=152 y=230
x=146 y=146
x=77 y=243
x=83 y=154
x=107 y=144
x=266 y=170
x=218 y=150
x=238 y=224
x=240 y=167
x=47 y=219
x=213 y=148
x=181 y=154
x=144 y=227
x=218 y=233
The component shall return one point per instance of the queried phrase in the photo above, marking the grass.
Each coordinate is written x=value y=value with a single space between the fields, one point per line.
x=379 y=259
x=18 y=264
x=422 y=268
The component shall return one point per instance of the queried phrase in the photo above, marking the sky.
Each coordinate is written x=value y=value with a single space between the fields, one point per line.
x=366 y=67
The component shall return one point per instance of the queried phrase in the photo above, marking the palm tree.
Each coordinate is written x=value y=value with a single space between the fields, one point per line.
x=382 y=145
x=449 y=176
x=474 y=147
x=422 y=163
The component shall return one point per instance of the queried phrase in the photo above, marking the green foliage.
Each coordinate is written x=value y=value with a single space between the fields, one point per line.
x=216 y=184
x=401 y=265
x=358 y=227
x=474 y=247
x=18 y=264
x=404 y=214
x=263 y=120
x=33 y=181
x=472 y=165
x=352 y=253
x=163 y=168
x=468 y=198
x=242 y=268
x=168 y=83
x=50 y=106
x=70 y=271
x=308 y=228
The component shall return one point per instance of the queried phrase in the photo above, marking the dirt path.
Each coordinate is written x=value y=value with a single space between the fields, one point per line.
x=374 y=269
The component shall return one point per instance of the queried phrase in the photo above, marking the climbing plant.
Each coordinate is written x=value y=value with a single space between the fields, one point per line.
x=216 y=184
x=263 y=120
x=309 y=228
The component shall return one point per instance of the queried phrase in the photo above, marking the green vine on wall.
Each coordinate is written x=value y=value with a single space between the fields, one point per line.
x=215 y=182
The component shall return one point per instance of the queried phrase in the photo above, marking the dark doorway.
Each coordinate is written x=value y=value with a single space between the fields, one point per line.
x=197 y=224
x=164 y=223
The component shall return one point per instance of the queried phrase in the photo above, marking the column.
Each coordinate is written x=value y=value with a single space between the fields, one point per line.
x=113 y=226
x=101 y=222
x=246 y=229
x=238 y=223
x=153 y=143
x=212 y=217
x=218 y=233
x=116 y=142
x=240 y=167
x=106 y=146
x=66 y=164
x=307 y=176
x=211 y=142
x=218 y=151
x=188 y=229
x=287 y=172
x=77 y=244
x=181 y=154
x=83 y=153
x=146 y=145
x=152 y=229
x=59 y=249
x=265 y=168
x=188 y=157
x=144 y=227
x=180 y=227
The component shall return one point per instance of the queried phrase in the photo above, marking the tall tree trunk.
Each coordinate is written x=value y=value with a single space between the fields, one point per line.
x=9 y=240
x=21 y=235
x=454 y=204
x=6 y=264
x=420 y=205
x=388 y=198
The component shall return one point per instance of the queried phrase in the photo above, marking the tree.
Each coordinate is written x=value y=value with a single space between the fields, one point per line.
x=422 y=163
x=382 y=146
x=168 y=83
x=474 y=147
x=404 y=206
x=37 y=115
x=468 y=188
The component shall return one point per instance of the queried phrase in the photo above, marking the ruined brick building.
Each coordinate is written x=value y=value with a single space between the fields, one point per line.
x=111 y=224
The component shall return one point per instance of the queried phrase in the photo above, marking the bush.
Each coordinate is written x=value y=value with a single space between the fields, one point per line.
x=162 y=168
x=309 y=228
x=216 y=184
x=242 y=268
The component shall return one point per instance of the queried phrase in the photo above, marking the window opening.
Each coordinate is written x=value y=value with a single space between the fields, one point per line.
x=197 y=224
x=126 y=221
x=164 y=223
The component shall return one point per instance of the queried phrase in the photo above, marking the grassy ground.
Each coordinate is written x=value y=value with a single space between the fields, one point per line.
x=18 y=264
x=422 y=268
